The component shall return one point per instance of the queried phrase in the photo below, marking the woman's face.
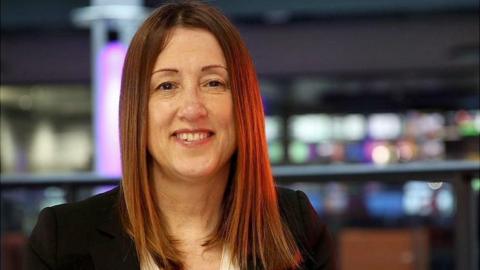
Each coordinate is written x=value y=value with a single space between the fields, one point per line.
x=191 y=130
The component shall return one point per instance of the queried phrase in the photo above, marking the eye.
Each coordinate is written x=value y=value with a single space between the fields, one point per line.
x=215 y=84
x=166 y=86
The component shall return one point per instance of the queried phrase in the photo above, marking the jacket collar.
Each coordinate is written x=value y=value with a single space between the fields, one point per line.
x=111 y=247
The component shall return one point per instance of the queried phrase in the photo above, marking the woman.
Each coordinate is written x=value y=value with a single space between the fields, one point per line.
x=197 y=189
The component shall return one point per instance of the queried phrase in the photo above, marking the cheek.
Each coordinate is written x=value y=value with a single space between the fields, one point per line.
x=157 y=119
x=152 y=120
x=223 y=110
x=227 y=119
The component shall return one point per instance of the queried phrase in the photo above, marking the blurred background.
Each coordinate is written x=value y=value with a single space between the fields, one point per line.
x=372 y=108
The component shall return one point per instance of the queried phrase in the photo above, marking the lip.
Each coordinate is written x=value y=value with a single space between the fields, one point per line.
x=205 y=141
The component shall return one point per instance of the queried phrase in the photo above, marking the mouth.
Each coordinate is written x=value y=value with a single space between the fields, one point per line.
x=193 y=136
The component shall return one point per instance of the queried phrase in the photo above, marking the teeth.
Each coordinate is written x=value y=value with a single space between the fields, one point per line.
x=191 y=137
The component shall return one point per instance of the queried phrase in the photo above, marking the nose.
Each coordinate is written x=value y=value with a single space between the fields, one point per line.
x=193 y=108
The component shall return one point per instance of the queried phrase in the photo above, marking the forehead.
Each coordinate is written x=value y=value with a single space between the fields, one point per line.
x=190 y=45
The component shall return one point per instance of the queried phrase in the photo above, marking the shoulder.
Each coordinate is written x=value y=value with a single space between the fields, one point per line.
x=91 y=207
x=299 y=213
x=82 y=215
x=296 y=204
x=311 y=234
x=68 y=228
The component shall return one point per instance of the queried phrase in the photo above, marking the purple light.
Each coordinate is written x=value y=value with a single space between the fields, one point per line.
x=110 y=64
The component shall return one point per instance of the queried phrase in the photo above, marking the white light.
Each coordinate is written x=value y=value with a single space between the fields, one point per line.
x=8 y=151
x=272 y=127
x=381 y=154
x=435 y=185
x=354 y=127
x=43 y=150
x=76 y=148
x=384 y=126
x=476 y=121
x=311 y=128
x=445 y=202
x=417 y=198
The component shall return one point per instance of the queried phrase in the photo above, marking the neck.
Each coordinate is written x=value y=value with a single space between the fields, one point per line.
x=192 y=207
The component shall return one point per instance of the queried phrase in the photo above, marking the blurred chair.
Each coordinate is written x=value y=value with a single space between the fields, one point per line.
x=393 y=249
x=12 y=246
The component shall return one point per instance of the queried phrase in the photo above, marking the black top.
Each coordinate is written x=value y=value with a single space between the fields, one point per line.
x=89 y=235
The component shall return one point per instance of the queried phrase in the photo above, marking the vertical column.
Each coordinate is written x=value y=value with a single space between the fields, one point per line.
x=465 y=218
x=107 y=56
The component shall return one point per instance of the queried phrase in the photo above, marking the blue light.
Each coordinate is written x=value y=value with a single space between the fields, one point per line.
x=385 y=204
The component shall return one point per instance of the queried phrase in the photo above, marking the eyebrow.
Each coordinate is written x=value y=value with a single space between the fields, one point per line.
x=165 y=70
x=212 y=66
x=173 y=70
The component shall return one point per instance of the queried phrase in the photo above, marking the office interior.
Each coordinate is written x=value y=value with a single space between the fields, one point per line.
x=372 y=108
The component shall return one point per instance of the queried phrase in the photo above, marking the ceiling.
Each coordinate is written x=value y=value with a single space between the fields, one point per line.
x=56 y=13
x=39 y=43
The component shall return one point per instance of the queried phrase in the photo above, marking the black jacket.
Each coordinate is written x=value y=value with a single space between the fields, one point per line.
x=88 y=235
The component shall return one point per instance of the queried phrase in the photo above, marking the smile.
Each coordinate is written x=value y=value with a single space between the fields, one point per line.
x=192 y=137
x=195 y=136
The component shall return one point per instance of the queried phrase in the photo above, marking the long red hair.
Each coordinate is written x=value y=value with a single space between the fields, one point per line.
x=252 y=228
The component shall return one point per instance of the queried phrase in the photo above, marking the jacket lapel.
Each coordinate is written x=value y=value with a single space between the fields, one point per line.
x=111 y=248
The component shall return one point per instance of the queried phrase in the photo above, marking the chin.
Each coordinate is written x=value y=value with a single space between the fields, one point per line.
x=193 y=171
x=201 y=168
